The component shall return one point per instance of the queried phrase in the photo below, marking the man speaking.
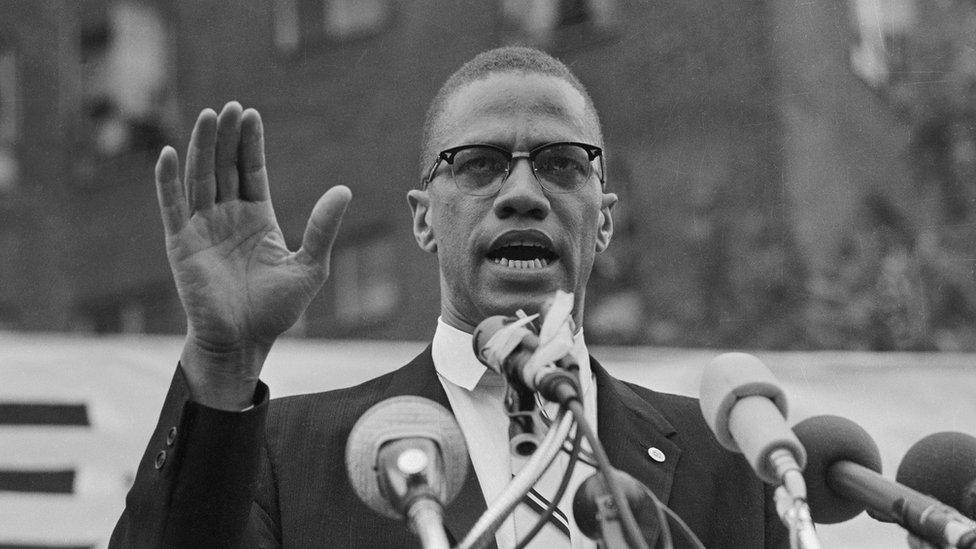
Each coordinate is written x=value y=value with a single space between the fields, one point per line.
x=513 y=201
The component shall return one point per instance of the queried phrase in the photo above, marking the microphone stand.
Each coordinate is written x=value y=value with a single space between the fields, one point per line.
x=427 y=517
x=483 y=530
x=795 y=514
x=791 y=500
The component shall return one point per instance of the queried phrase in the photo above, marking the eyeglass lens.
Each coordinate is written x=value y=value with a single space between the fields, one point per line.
x=559 y=168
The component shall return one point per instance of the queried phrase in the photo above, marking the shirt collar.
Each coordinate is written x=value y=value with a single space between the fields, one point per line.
x=455 y=361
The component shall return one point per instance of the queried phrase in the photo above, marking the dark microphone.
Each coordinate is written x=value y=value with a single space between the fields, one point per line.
x=943 y=465
x=406 y=459
x=512 y=359
x=597 y=518
x=746 y=409
x=843 y=478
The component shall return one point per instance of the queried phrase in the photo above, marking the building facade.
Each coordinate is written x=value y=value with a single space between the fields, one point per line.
x=717 y=231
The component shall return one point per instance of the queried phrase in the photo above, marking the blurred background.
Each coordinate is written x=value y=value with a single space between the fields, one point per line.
x=792 y=175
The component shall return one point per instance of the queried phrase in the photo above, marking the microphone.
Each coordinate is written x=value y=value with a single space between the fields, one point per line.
x=507 y=346
x=943 y=465
x=843 y=477
x=598 y=519
x=406 y=459
x=746 y=409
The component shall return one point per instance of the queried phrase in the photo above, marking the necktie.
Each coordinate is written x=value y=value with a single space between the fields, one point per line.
x=555 y=533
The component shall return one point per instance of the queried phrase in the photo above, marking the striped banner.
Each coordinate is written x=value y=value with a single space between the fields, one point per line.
x=76 y=414
x=38 y=417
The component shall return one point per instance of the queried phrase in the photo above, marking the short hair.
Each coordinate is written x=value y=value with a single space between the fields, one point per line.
x=499 y=60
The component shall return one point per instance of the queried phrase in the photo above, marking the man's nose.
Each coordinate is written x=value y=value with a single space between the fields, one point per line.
x=521 y=193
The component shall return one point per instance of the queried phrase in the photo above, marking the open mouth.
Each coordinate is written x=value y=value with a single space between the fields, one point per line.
x=522 y=254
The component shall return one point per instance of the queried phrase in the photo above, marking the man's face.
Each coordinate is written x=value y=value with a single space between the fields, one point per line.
x=511 y=250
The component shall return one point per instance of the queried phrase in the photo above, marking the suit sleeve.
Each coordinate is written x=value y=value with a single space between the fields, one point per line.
x=198 y=479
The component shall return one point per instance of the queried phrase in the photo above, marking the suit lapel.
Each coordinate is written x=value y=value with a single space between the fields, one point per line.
x=630 y=428
x=420 y=378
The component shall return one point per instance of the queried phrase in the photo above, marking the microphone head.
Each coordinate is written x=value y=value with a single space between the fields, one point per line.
x=829 y=439
x=484 y=332
x=586 y=510
x=745 y=408
x=728 y=378
x=943 y=465
x=398 y=418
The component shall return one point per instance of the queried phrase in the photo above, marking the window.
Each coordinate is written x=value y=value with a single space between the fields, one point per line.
x=354 y=18
x=556 y=23
x=365 y=282
x=9 y=119
x=308 y=21
x=882 y=28
x=127 y=73
x=286 y=32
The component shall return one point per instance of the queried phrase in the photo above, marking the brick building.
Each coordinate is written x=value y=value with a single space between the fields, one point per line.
x=687 y=92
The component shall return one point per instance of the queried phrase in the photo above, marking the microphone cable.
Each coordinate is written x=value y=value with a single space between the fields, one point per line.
x=631 y=529
x=563 y=485
x=482 y=531
x=663 y=510
x=570 y=447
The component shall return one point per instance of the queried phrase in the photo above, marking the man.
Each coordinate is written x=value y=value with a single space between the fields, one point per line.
x=513 y=203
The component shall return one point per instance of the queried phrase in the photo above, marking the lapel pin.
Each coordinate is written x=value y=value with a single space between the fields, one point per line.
x=655 y=454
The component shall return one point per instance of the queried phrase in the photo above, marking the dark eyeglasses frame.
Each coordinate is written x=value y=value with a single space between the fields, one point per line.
x=448 y=155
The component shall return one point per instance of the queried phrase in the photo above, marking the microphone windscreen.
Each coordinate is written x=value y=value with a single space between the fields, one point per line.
x=943 y=465
x=746 y=409
x=398 y=418
x=828 y=440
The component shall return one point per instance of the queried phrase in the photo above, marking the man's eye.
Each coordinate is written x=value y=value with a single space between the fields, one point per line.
x=479 y=163
x=562 y=164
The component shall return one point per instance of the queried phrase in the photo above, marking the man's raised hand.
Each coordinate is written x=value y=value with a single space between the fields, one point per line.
x=240 y=285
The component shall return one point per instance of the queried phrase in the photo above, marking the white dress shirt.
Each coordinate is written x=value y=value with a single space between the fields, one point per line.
x=476 y=396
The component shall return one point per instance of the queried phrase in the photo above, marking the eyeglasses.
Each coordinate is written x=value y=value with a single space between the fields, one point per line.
x=480 y=170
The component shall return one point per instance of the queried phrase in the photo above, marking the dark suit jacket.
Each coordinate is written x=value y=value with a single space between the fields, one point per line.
x=275 y=475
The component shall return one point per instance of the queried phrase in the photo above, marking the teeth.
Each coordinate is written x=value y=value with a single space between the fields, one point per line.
x=526 y=243
x=537 y=263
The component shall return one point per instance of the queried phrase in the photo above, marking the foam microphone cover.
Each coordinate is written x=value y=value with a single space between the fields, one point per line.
x=398 y=418
x=828 y=440
x=943 y=465
x=751 y=426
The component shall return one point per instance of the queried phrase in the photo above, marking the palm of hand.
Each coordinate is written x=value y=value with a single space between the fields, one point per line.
x=240 y=285
x=237 y=280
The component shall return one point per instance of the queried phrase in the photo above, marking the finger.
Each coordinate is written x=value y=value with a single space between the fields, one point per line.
x=253 y=173
x=228 y=141
x=169 y=191
x=323 y=225
x=200 y=180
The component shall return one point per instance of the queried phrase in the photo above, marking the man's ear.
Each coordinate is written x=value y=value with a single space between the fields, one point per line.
x=423 y=230
x=605 y=230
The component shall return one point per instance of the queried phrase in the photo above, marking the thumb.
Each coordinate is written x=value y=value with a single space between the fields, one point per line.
x=323 y=225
